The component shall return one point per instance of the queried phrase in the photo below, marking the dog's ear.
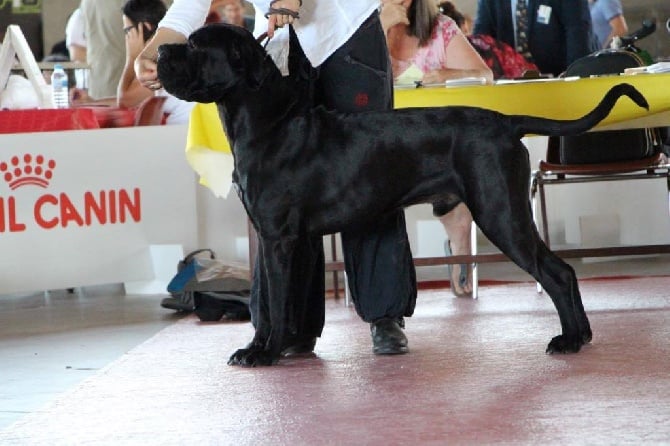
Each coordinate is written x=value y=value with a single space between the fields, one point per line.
x=249 y=57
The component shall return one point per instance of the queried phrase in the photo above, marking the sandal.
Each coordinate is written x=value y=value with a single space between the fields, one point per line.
x=462 y=277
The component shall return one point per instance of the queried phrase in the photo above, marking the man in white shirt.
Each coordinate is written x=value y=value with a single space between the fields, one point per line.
x=105 y=45
x=75 y=37
x=339 y=51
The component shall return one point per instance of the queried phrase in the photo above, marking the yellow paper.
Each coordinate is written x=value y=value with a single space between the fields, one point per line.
x=208 y=151
x=205 y=129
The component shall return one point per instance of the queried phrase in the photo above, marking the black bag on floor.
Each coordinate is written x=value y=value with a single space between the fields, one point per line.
x=613 y=145
x=210 y=288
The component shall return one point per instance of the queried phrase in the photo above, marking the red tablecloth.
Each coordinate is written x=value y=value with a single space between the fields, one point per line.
x=114 y=117
x=51 y=120
x=47 y=120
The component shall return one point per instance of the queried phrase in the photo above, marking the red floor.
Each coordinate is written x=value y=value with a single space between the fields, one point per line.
x=476 y=374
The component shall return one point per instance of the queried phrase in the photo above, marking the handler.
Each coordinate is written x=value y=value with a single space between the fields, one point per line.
x=338 y=49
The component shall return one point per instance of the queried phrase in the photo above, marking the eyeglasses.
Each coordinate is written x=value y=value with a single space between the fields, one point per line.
x=127 y=29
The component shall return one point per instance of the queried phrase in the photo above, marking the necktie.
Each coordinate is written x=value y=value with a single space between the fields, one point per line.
x=522 y=29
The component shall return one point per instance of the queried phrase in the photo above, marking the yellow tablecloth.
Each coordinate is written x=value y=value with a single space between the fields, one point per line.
x=208 y=152
x=557 y=99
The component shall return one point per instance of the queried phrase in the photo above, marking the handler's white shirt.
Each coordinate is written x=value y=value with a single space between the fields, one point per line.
x=178 y=111
x=323 y=27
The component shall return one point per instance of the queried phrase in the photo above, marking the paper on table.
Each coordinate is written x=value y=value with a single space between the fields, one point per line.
x=409 y=77
x=660 y=67
x=543 y=79
x=465 y=81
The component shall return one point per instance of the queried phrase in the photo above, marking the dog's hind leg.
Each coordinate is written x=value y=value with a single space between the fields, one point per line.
x=522 y=244
x=560 y=282
x=500 y=207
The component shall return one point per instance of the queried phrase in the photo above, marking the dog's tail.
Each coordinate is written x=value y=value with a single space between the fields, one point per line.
x=524 y=125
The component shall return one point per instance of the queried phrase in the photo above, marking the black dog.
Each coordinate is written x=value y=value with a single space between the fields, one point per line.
x=305 y=171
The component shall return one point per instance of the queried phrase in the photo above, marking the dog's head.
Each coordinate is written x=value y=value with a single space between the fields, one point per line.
x=215 y=59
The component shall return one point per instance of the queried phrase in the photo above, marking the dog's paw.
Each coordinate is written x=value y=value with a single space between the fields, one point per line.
x=565 y=344
x=252 y=357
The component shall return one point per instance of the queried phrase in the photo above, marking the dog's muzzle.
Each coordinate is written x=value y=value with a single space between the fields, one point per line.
x=168 y=56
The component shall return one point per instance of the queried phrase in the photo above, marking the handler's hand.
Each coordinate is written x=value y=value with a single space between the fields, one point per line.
x=79 y=96
x=278 y=20
x=145 y=64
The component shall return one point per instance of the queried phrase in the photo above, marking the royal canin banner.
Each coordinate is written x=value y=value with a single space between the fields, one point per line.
x=83 y=207
x=52 y=211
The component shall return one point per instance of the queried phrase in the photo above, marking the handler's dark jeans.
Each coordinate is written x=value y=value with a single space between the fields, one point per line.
x=378 y=261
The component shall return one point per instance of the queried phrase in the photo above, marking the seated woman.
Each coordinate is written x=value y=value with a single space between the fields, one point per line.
x=418 y=35
x=140 y=20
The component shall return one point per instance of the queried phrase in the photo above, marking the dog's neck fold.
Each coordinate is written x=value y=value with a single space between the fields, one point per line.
x=274 y=102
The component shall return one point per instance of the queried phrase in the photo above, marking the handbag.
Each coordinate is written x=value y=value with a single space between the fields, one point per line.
x=614 y=145
x=209 y=288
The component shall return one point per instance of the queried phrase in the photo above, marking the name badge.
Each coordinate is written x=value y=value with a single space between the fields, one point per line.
x=544 y=14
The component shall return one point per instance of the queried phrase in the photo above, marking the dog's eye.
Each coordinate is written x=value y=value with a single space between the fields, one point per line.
x=235 y=53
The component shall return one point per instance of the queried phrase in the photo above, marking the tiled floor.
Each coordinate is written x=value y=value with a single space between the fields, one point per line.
x=48 y=343
x=476 y=374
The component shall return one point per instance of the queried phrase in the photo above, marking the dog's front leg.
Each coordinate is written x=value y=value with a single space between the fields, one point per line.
x=260 y=315
x=272 y=313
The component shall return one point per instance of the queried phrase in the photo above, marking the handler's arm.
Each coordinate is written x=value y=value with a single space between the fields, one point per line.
x=183 y=17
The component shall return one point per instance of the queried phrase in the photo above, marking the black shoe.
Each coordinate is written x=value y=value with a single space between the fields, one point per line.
x=211 y=307
x=388 y=337
x=177 y=304
x=298 y=347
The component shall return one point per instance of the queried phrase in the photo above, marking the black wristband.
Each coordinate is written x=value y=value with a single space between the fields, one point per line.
x=275 y=1
x=282 y=11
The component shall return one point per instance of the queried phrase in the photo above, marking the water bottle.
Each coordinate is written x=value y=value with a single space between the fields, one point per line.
x=59 y=87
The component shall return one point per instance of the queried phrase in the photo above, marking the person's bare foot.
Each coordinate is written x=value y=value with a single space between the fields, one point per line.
x=460 y=275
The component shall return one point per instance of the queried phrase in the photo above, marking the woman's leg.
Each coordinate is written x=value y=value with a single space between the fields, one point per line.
x=458 y=224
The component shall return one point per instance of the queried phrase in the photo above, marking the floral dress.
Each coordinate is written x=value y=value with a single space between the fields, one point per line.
x=501 y=58
x=434 y=55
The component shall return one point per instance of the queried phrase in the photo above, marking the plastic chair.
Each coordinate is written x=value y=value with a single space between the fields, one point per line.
x=551 y=172
x=633 y=154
